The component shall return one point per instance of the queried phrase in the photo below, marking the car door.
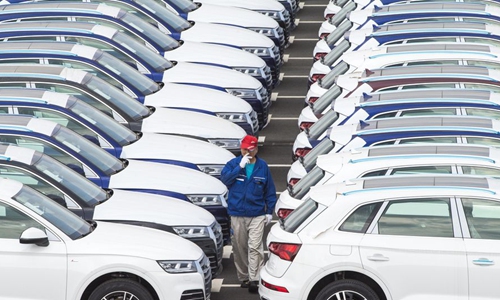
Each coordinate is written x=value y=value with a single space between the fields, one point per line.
x=482 y=246
x=29 y=271
x=411 y=247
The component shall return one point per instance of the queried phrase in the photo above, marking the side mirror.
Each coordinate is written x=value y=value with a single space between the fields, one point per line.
x=35 y=236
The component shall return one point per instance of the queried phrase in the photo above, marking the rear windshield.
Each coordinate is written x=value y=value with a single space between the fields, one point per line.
x=299 y=215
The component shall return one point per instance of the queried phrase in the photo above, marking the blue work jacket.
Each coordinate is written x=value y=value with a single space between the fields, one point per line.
x=249 y=197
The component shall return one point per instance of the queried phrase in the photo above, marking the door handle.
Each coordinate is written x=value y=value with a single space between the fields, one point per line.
x=378 y=257
x=483 y=262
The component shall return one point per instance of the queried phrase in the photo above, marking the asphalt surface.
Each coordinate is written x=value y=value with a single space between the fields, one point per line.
x=277 y=138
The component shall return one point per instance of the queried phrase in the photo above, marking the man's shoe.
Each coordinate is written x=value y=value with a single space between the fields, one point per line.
x=253 y=287
x=245 y=284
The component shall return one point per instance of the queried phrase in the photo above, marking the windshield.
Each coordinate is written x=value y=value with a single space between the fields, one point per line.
x=69 y=223
x=185 y=5
x=84 y=188
x=115 y=130
x=151 y=31
x=158 y=9
x=154 y=60
x=106 y=162
x=130 y=106
x=143 y=83
x=299 y=215
x=303 y=186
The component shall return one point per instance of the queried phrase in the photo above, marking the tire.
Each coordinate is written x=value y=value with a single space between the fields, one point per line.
x=347 y=289
x=120 y=289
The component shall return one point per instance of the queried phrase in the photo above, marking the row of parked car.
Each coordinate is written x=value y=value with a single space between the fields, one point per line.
x=116 y=119
x=393 y=192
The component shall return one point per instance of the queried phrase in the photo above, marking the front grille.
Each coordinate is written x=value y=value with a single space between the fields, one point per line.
x=288 y=20
x=193 y=295
x=277 y=56
x=207 y=276
x=269 y=77
x=219 y=245
x=255 y=121
x=282 y=42
x=266 y=103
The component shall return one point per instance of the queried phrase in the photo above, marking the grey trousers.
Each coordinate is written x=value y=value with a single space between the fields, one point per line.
x=248 y=250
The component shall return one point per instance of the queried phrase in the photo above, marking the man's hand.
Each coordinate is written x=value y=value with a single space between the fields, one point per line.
x=245 y=160
x=268 y=219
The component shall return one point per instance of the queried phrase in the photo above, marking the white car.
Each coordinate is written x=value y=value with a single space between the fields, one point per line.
x=75 y=259
x=86 y=120
x=367 y=239
x=127 y=110
x=403 y=55
x=391 y=161
x=90 y=202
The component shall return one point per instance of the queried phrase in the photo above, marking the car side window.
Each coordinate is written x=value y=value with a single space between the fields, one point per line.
x=361 y=218
x=375 y=173
x=14 y=222
x=483 y=141
x=429 y=112
x=419 y=140
x=489 y=113
x=483 y=218
x=417 y=217
x=475 y=170
x=422 y=169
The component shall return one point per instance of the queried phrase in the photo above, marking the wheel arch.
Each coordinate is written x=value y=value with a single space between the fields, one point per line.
x=113 y=275
x=350 y=274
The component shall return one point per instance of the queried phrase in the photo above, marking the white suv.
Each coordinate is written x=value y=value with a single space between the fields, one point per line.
x=406 y=237
x=47 y=252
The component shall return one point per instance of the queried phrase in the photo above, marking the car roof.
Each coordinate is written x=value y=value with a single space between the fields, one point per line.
x=15 y=153
x=445 y=152
x=27 y=124
x=368 y=189
x=9 y=188
x=32 y=95
x=441 y=6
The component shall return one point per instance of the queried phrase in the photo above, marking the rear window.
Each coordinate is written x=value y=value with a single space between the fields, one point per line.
x=299 y=215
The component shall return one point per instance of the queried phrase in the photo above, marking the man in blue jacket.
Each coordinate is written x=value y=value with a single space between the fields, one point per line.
x=250 y=203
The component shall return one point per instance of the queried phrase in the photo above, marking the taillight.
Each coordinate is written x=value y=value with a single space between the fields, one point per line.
x=273 y=287
x=301 y=152
x=292 y=182
x=305 y=125
x=315 y=77
x=328 y=16
x=324 y=35
x=284 y=251
x=319 y=55
x=283 y=212
x=312 y=100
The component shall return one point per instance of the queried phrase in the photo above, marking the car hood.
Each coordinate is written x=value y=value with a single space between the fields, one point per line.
x=136 y=206
x=160 y=146
x=128 y=240
x=193 y=74
x=252 y=5
x=236 y=16
x=180 y=122
x=156 y=176
x=225 y=35
x=214 y=54
x=193 y=97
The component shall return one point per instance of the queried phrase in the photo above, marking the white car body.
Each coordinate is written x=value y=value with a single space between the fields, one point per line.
x=67 y=266
x=137 y=174
x=163 y=120
x=149 y=146
x=356 y=163
x=386 y=56
x=327 y=240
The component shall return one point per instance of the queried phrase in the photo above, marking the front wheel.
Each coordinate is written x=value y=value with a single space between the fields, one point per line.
x=120 y=289
x=347 y=289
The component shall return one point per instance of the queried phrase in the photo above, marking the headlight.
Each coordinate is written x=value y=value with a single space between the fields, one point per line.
x=264 y=31
x=243 y=93
x=233 y=117
x=213 y=170
x=203 y=200
x=226 y=143
x=192 y=231
x=260 y=51
x=272 y=14
x=178 y=266
x=249 y=71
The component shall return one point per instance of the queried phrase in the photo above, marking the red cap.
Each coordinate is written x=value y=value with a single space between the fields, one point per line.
x=249 y=142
